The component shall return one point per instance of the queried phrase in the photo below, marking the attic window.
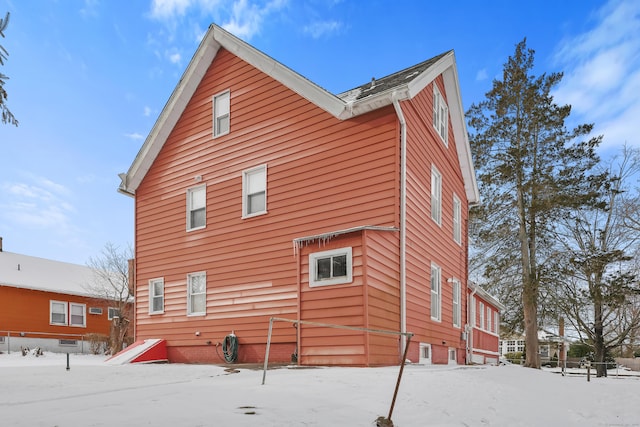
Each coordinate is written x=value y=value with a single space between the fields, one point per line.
x=221 y=114
x=440 y=115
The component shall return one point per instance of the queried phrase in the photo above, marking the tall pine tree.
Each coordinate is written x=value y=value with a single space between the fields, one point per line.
x=7 y=116
x=531 y=169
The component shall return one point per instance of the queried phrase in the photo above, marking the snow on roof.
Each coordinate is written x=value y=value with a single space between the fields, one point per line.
x=41 y=274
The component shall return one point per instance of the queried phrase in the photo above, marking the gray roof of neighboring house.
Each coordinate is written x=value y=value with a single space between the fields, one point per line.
x=28 y=272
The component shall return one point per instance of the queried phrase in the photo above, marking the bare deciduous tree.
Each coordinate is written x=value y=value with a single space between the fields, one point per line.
x=111 y=284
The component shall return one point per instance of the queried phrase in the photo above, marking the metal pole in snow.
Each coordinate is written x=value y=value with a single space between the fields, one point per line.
x=395 y=393
x=68 y=362
x=266 y=355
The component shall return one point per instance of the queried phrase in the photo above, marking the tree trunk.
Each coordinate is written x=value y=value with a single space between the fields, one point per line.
x=530 y=311
x=598 y=329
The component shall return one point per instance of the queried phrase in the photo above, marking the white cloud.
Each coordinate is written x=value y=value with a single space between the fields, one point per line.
x=134 y=136
x=323 y=28
x=602 y=73
x=167 y=9
x=147 y=111
x=481 y=75
x=37 y=203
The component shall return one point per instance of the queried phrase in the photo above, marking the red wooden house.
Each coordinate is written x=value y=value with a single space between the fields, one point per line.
x=46 y=304
x=259 y=194
x=483 y=343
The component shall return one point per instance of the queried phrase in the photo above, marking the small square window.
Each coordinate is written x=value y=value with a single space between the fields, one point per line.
x=113 y=312
x=330 y=267
x=254 y=191
x=221 y=114
x=196 y=208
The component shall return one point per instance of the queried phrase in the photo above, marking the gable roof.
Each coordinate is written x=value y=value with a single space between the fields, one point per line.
x=28 y=272
x=399 y=86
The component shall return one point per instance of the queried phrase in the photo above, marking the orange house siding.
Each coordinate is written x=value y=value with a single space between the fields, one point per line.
x=427 y=241
x=323 y=174
x=28 y=311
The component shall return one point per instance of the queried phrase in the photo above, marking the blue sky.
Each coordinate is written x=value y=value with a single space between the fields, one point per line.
x=88 y=79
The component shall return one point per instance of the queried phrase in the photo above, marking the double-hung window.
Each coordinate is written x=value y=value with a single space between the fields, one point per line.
x=77 y=314
x=440 y=115
x=330 y=267
x=457 y=220
x=221 y=114
x=197 y=294
x=58 y=313
x=436 y=195
x=156 y=296
x=456 y=303
x=436 y=294
x=196 y=208
x=254 y=191
x=481 y=310
x=489 y=328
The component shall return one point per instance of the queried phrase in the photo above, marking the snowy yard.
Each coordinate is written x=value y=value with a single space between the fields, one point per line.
x=39 y=391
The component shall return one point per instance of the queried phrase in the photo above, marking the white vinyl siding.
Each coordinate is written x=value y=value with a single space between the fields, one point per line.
x=436 y=294
x=436 y=195
x=196 y=208
x=254 y=191
x=330 y=267
x=221 y=114
x=456 y=306
x=197 y=294
x=457 y=220
x=440 y=115
x=156 y=296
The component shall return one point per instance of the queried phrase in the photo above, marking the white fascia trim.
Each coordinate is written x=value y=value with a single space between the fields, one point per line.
x=294 y=81
x=170 y=114
x=456 y=111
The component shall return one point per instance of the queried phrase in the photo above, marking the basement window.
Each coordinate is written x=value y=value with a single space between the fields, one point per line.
x=331 y=267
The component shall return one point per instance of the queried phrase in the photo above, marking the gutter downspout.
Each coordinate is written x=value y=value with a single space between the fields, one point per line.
x=403 y=215
x=470 y=324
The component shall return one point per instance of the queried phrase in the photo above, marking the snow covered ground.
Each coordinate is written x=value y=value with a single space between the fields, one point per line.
x=39 y=391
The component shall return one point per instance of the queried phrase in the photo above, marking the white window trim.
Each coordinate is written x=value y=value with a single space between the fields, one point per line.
x=489 y=327
x=110 y=312
x=189 y=207
x=436 y=274
x=457 y=219
x=190 y=311
x=425 y=360
x=456 y=303
x=152 y=295
x=436 y=195
x=333 y=281
x=84 y=315
x=216 y=114
x=245 y=193
x=496 y=322
x=66 y=313
x=481 y=310
x=440 y=117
